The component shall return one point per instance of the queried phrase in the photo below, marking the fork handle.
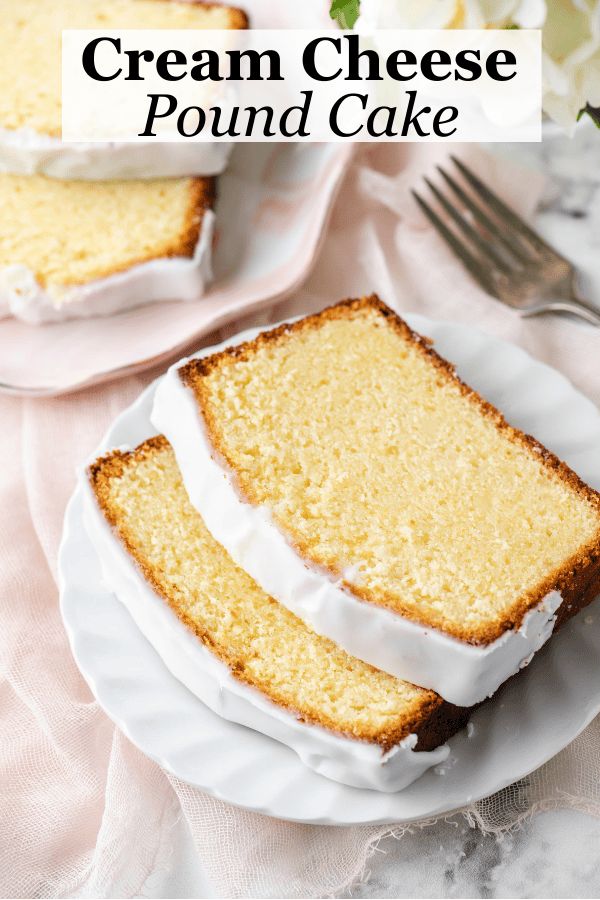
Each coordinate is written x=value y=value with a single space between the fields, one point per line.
x=575 y=307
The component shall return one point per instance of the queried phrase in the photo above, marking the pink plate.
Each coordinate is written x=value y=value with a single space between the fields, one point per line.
x=272 y=211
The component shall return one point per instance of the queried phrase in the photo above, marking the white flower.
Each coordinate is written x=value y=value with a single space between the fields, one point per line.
x=406 y=14
x=450 y=13
x=571 y=41
x=570 y=38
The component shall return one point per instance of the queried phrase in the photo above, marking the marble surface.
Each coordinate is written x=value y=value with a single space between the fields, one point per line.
x=556 y=854
x=569 y=214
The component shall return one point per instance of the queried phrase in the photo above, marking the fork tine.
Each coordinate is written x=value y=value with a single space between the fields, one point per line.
x=504 y=212
x=484 y=246
x=505 y=238
x=477 y=267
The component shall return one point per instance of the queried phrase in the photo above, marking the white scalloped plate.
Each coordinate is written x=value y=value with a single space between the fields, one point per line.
x=527 y=722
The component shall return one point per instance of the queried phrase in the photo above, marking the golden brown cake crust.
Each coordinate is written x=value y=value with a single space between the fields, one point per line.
x=570 y=579
x=238 y=18
x=203 y=192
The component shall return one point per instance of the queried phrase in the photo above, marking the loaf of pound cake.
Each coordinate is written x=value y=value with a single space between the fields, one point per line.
x=344 y=465
x=70 y=249
x=30 y=94
x=241 y=652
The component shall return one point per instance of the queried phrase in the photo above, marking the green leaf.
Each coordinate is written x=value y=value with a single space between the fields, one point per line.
x=345 y=12
x=593 y=112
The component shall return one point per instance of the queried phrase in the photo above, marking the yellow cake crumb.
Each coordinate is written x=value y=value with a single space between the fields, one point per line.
x=374 y=458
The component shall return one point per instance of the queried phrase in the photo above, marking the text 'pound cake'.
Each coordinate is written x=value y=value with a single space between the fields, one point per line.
x=70 y=249
x=347 y=469
x=30 y=89
x=246 y=656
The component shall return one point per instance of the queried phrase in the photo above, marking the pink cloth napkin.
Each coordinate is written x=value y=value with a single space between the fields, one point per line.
x=83 y=812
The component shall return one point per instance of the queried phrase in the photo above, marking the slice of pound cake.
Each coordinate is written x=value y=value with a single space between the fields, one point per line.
x=73 y=248
x=347 y=469
x=246 y=656
x=30 y=95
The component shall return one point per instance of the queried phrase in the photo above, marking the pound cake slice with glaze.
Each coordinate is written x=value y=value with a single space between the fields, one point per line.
x=343 y=464
x=73 y=248
x=246 y=656
x=30 y=95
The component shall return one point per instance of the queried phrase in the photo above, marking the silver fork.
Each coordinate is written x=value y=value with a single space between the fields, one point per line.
x=507 y=257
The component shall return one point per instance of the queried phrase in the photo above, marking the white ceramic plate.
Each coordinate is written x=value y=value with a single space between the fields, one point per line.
x=272 y=210
x=527 y=722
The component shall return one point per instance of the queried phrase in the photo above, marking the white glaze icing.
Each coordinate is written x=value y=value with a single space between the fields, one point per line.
x=352 y=762
x=460 y=672
x=27 y=152
x=173 y=278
